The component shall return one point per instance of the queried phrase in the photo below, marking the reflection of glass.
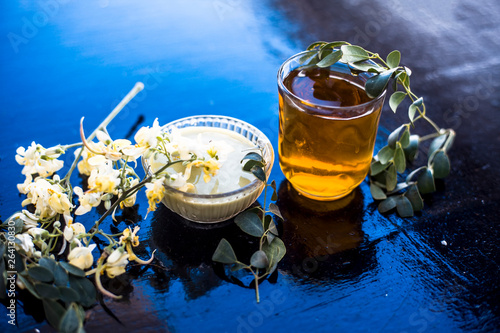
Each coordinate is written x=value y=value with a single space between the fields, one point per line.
x=187 y=247
x=328 y=127
x=323 y=238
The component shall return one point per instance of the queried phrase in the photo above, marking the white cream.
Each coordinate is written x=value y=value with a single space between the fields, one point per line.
x=232 y=148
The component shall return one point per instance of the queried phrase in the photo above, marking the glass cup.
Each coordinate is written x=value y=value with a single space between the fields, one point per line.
x=328 y=126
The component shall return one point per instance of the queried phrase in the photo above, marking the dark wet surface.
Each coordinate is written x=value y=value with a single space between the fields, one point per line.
x=348 y=268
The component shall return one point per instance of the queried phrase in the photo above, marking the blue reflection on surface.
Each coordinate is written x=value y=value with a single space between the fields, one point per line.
x=348 y=268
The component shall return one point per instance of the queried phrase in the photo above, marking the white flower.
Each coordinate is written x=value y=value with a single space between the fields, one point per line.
x=87 y=200
x=88 y=162
x=38 y=160
x=81 y=257
x=48 y=199
x=72 y=230
x=104 y=178
x=24 y=242
x=116 y=262
x=155 y=192
x=130 y=201
x=38 y=232
x=148 y=136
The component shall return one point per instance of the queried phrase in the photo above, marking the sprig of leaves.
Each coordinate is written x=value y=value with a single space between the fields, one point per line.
x=257 y=223
x=63 y=288
x=389 y=166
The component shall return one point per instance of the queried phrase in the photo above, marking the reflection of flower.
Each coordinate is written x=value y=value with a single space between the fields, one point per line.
x=48 y=199
x=116 y=262
x=81 y=257
x=38 y=160
x=155 y=192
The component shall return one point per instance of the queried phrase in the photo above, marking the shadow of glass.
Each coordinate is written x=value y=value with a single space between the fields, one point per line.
x=323 y=239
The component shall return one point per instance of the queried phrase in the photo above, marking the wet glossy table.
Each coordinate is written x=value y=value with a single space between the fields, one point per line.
x=348 y=268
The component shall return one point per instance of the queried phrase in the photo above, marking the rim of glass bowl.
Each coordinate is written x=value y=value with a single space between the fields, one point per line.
x=298 y=55
x=262 y=141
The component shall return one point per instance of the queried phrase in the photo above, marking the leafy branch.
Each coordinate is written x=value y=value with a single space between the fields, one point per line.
x=258 y=223
x=390 y=181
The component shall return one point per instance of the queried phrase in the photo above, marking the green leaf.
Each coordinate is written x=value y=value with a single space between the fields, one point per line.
x=411 y=151
x=85 y=289
x=413 y=108
x=353 y=53
x=414 y=196
x=396 y=99
x=441 y=165
x=399 y=159
x=393 y=59
x=404 y=207
x=377 y=192
x=394 y=136
x=273 y=208
x=53 y=311
x=377 y=167
x=259 y=259
x=68 y=295
x=18 y=225
x=385 y=154
x=224 y=253
x=366 y=66
x=253 y=156
x=274 y=197
x=405 y=139
x=275 y=251
x=270 y=237
x=29 y=285
x=413 y=173
x=314 y=60
x=333 y=44
x=387 y=204
x=323 y=52
x=304 y=57
x=48 y=263
x=315 y=44
x=391 y=178
x=250 y=223
x=437 y=144
x=19 y=262
x=60 y=276
x=375 y=85
x=237 y=267
x=425 y=182
x=71 y=269
x=259 y=173
x=47 y=291
x=251 y=163
x=330 y=59
x=70 y=321
x=404 y=79
x=41 y=274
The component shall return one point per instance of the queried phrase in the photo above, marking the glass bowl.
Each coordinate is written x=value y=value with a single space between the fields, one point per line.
x=212 y=208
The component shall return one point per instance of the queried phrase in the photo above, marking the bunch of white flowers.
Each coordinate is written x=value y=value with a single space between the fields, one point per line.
x=46 y=228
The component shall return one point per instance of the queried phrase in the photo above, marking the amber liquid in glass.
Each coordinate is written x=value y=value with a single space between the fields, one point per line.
x=325 y=152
